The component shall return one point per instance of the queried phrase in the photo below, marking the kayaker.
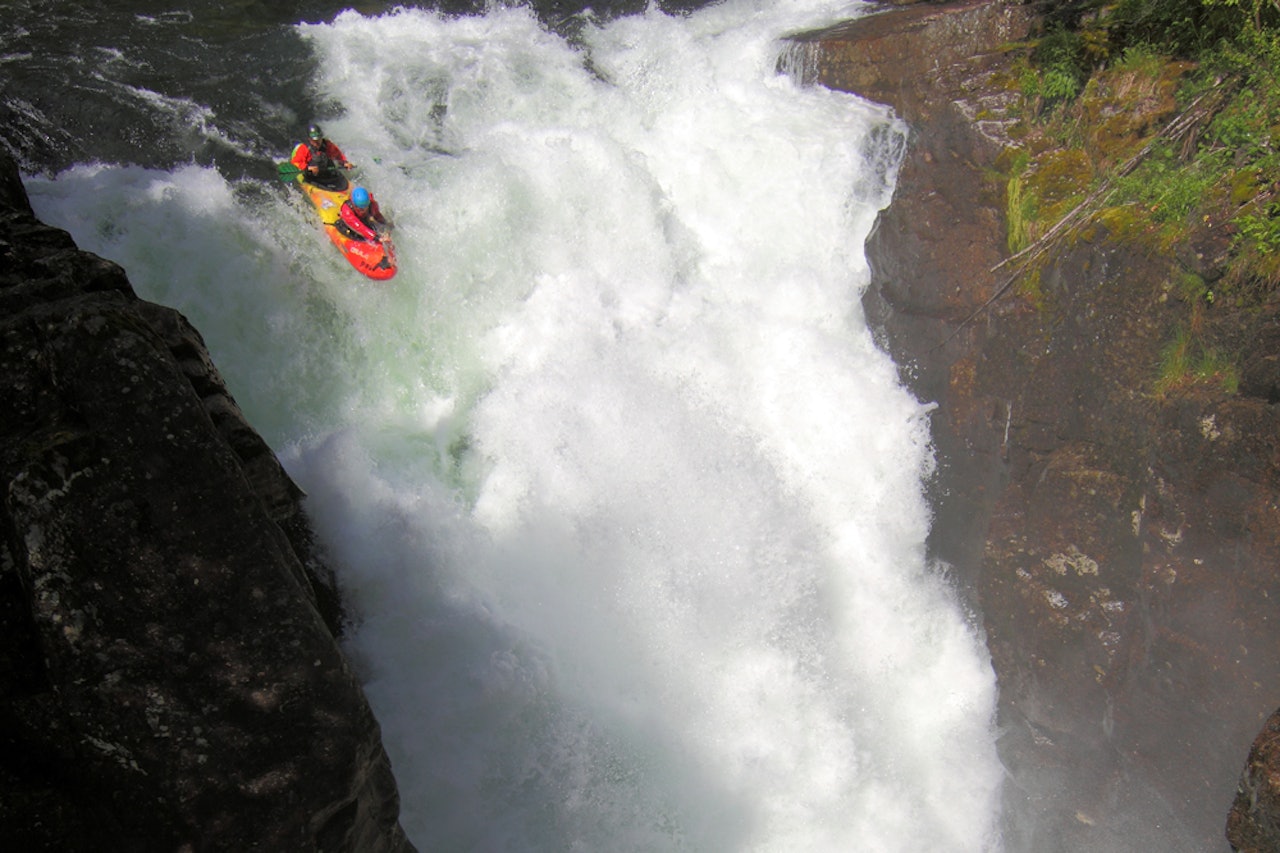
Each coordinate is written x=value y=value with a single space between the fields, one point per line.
x=359 y=216
x=317 y=158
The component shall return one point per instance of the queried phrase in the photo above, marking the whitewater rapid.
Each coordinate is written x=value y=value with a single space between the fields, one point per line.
x=625 y=500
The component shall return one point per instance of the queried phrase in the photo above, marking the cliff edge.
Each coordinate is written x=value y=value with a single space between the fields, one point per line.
x=169 y=674
x=1119 y=543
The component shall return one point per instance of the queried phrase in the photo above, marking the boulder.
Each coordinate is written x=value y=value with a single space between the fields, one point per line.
x=1252 y=826
x=170 y=677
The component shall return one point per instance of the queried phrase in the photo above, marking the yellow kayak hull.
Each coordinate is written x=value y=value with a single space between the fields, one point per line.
x=375 y=259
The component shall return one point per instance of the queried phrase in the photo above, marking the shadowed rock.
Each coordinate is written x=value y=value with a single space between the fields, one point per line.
x=169 y=675
x=1252 y=826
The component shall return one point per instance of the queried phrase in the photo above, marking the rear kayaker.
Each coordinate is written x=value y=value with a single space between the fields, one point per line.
x=374 y=257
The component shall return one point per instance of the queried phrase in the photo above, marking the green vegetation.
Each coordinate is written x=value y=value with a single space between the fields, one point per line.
x=1020 y=209
x=1185 y=362
x=1157 y=120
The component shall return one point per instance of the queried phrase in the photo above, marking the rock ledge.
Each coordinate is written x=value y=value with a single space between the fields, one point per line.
x=169 y=674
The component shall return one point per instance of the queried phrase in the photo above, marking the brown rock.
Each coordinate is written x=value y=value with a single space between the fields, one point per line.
x=1120 y=543
x=1252 y=826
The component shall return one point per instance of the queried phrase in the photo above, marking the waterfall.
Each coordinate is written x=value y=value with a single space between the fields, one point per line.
x=627 y=504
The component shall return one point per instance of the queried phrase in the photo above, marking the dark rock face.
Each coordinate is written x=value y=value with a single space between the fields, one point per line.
x=1121 y=545
x=1252 y=826
x=169 y=676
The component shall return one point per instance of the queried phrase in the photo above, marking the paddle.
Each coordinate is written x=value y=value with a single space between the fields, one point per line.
x=288 y=171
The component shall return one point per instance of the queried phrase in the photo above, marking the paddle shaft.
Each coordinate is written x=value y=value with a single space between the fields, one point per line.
x=288 y=171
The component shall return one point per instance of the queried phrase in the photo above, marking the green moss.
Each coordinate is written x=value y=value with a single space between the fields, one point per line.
x=1244 y=185
x=1125 y=105
x=1192 y=288
x=1028 y=287
x=1123 y=222
x=1020 y=207
x=1059 y=180
x=1019 y=212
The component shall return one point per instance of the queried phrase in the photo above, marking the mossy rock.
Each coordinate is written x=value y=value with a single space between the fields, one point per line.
x=1122 y=108
x=1126 y=223
x=1245 y=184
x=1059 y=180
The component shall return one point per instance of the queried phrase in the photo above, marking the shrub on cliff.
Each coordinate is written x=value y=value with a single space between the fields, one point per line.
x=1180 y=28
x=1158 y=120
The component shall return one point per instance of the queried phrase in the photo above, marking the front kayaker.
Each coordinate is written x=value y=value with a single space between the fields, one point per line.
x=360 y=218
x=317 y=159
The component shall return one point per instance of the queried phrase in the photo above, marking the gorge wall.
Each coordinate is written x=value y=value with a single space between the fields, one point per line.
x=169 y=675
x=1120 y=545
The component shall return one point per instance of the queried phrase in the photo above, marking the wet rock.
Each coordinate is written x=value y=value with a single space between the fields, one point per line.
x=1120 y=542
x=1252 y=826
x=169 y=674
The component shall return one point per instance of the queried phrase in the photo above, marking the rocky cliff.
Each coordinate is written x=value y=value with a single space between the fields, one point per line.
x=1120 y=545
x=169 y=675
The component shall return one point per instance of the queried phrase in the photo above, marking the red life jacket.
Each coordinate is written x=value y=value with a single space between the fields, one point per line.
x=303 y=154
x=361 y=224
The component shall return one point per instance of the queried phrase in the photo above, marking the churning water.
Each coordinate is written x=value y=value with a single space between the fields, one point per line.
x=625 y=500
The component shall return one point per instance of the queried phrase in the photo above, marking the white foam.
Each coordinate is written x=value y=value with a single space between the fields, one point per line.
x=627 y=501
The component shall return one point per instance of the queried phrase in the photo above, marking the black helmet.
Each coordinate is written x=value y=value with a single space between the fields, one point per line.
x=314 y=132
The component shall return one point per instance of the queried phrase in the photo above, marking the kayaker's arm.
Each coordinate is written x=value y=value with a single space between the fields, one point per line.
x=335 y=153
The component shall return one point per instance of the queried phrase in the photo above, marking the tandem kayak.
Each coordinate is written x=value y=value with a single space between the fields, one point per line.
x=374 y=258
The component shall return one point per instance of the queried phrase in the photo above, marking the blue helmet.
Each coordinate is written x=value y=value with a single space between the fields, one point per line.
x=360 y=197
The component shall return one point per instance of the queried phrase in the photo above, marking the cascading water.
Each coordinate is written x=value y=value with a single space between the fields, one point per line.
x=625 y=500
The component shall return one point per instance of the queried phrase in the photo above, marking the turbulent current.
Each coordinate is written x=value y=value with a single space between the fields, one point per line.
x=625 y=501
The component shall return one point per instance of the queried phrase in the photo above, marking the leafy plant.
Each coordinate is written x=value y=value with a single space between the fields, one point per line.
x=1257 y=14
x=1180 y=28
x=1262 y=229
x=1062 y=61
x=1169 y=191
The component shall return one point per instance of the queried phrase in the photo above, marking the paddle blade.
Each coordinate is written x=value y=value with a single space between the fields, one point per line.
x=287 y=171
